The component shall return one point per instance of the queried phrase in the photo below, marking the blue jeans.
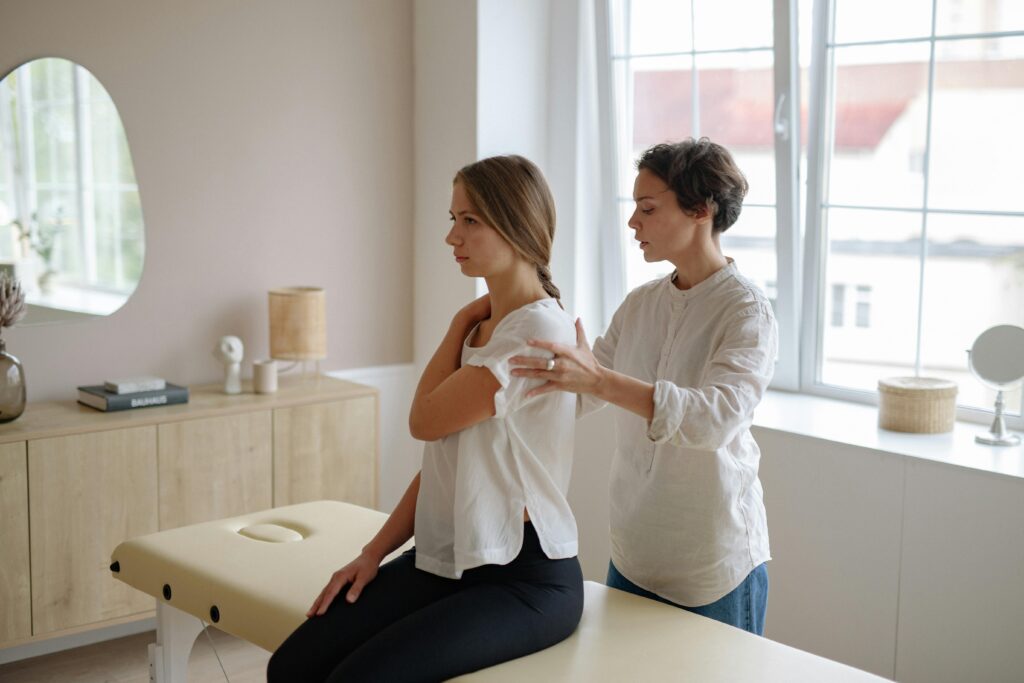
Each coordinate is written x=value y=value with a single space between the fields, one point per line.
x=743 y=608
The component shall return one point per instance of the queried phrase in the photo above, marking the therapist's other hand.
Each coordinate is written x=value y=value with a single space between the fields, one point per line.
x=356 y=574
x=576 y=368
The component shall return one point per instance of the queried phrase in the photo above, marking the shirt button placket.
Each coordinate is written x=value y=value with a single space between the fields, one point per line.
x=673 y=332
x=666 y=352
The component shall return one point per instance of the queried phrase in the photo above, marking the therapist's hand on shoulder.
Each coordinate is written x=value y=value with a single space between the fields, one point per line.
x=575 y=370
x=356 y=574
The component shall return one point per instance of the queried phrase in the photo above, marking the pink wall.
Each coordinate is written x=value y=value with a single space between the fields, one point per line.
x=272 y=145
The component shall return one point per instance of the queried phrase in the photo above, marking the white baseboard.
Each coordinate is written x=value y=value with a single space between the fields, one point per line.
x=376 y=374
x=47 y=647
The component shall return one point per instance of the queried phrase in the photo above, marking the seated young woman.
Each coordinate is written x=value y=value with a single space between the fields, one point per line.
x=494 y=574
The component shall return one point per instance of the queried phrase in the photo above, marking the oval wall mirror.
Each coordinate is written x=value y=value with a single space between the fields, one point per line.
x=71 y=225
x=997 y=360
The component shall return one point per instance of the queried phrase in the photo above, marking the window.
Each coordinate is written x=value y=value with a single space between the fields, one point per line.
x=914 y=240
x=690 y=69
x=687 y=69
x=914 y=156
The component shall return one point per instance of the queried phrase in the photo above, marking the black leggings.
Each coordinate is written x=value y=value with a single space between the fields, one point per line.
x=410 y=625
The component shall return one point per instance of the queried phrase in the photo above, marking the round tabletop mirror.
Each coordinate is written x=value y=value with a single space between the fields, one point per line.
x=997 y=360
x=71 y=226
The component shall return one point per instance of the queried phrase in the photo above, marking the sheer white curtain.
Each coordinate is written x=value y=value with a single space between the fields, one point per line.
x=581 y=164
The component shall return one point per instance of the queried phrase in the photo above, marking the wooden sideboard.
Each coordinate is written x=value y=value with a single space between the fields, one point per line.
x=75 y=482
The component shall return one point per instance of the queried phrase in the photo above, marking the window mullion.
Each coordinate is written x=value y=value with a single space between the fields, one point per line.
x=694 y=76
x=787 y=192
x=812 y=310
x=924 y=194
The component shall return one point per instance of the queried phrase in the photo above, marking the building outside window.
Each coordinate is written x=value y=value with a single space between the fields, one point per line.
x=838 y=304
x=863 y=306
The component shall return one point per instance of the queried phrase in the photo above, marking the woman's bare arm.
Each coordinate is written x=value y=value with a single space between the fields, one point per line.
x=449 y=398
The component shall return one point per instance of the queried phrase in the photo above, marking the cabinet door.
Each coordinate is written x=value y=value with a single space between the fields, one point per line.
x=16 y=614
x=214 y=467
x=326 y=451
x=87 y=493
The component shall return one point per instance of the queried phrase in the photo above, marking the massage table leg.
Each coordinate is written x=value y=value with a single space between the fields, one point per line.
x=176 y=632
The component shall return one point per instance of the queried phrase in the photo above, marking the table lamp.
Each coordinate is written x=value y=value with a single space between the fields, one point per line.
x=298 y=324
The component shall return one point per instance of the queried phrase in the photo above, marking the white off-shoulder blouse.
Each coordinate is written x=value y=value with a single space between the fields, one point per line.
x=476 y=483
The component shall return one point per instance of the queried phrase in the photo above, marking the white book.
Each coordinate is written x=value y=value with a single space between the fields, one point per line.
x=132 y=385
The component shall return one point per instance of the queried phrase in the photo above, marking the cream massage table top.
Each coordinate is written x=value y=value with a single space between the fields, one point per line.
x=263 y=570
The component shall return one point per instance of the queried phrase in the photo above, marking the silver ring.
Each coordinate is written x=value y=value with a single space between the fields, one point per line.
x=551 y=364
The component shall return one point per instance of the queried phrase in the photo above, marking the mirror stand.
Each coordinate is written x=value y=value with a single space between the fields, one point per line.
x=997 y=434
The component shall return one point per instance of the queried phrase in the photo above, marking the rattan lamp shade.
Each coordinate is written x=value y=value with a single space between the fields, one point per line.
x=298 y=323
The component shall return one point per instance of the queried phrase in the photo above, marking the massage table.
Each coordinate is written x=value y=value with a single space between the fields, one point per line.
x=254 y=576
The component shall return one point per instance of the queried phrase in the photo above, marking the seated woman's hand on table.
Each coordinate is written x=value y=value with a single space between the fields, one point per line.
x=356 y=574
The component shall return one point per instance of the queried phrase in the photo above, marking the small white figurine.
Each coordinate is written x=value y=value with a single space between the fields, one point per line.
x=229 y=352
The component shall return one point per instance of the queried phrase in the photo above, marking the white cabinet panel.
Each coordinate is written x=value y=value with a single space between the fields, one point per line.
x=834 y=525
x=962 y=583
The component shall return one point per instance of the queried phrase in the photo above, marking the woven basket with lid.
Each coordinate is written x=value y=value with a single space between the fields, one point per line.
x=923 y=405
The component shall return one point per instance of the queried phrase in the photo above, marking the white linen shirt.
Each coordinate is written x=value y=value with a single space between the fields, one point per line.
x=475 y=484
x=686 y=510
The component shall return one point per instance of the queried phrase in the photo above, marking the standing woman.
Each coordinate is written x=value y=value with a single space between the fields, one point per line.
x=494 y=573
x=687 y=359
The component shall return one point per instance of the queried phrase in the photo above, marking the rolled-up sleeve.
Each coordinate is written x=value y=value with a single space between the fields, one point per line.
x=508 y=342
x=711 y=415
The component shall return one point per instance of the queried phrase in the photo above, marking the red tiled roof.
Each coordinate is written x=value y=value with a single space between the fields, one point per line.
x=737 y=105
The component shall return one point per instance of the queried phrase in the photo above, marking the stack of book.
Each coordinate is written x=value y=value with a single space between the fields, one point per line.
x=132 y=392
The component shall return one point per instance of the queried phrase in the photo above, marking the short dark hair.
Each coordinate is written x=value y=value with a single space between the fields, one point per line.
x=700 y=173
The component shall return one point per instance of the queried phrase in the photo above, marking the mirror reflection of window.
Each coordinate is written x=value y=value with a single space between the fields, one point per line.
x=71 y=225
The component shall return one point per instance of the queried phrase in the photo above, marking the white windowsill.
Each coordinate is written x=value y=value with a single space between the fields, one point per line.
x=856 y=424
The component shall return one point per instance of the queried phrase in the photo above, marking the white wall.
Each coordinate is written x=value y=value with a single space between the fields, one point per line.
x=492 y=77
x=512 y=78
x=445 y=124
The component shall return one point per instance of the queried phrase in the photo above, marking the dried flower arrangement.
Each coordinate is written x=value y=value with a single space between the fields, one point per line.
x=12 y=301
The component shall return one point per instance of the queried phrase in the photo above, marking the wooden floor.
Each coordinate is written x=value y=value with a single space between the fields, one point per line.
x=126 y=660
